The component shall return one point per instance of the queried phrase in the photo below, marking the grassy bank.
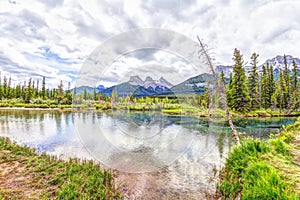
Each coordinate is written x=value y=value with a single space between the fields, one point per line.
x=165 y=108
x=27 y=175
x=264 y=169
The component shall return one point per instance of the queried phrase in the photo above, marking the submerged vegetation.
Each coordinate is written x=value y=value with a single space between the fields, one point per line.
x=259 y=169
x=26 y=175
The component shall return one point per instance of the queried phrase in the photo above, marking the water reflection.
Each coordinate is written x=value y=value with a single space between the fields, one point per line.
x=53 y=132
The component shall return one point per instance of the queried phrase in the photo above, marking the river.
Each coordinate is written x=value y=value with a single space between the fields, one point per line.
x=156 y=156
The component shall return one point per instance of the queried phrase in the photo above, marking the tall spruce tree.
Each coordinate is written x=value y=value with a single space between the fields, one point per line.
x=287 y=80
x=43 y=92
x=239 y=91
x=1 y=89
x=253 y=84
x=264 y=88
x=28 y=92
x=207 y=98
x=281 y=92
x=219 y=98
x=295 y=76
x=228 y=92
x=295 y=87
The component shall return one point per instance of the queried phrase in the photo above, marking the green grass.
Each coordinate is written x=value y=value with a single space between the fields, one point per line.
x=43 y=176
x=263 y=169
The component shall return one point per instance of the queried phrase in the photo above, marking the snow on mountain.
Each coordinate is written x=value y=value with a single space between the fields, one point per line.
x=135 y=80
x=165 y=83
x=149 y=83
x=227 y=70
x=277 y=63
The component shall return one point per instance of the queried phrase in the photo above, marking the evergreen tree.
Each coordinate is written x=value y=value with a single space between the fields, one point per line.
x=60 y=92
x=9 y=96
x=295 y=76
x=253 y=84
x=33 y=90
x=43 y=92
x=85 y=94
x=28 y=92
x=221 y=82
x=228 y=92
x=18 y=91
x=287 y=80
x=114 y=96
x=95 y=94
x=1 y=89
x=4 y=87
x=281 y=92
x=265 y=101
x=271 y=81
x=75 y=94
x=206 y=98
x=295 y=87
x=68 y=94
x=239 y=91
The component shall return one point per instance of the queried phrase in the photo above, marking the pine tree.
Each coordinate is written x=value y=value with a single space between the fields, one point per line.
x=60 y=92
x=1 y=88
x=281 y=92
x=43 y=92
x=206 y=98
x=18 y=91
x=264 y=88
x=287 y=80
x=271 y=81
x=68 y=94
x=37 y=89
x=85 y=94
x=239 y=91
x=9 y=96
x=295 y=87
x=295 y=76
x=222 y=81
x=28 y=92
x=95 y=94
x=253 y=84
x=33 y=89
x=114 y=96
x=228 y=92
x=4 y=87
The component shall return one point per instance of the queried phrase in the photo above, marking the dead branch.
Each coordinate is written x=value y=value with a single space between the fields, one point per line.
x=221 y=89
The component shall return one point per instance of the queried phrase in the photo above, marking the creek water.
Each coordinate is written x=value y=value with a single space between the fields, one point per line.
x=156 y=156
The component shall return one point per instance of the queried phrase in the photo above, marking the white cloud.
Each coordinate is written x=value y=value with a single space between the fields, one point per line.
x=72 y=30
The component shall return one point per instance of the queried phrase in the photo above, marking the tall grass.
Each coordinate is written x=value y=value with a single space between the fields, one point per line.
x=262 y=169
x=73 y=179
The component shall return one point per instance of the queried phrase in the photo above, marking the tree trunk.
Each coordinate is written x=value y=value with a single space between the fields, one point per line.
x=221 y=90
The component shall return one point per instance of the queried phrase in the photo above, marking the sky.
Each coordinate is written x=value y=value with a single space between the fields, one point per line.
x=55 y=38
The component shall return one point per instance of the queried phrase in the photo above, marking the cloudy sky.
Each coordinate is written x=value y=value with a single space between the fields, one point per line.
x=55 y=38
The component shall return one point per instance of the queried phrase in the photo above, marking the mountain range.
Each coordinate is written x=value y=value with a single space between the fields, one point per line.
x=194 y=85
x=277 y=63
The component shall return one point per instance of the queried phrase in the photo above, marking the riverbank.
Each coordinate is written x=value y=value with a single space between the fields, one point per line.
x=182 y=111
x=264 y=169
x=28 y=175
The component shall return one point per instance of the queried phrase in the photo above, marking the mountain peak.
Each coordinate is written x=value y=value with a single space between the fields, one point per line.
x=165 y=83
x=135 y=80
x=278 y=62
x=149 y=78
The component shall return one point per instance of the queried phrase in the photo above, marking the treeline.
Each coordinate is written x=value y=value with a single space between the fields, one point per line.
x=258 y=90
x=261 y=90
x=34 y=92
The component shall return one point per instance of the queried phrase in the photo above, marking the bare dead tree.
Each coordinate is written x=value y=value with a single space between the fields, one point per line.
x=220 y=87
